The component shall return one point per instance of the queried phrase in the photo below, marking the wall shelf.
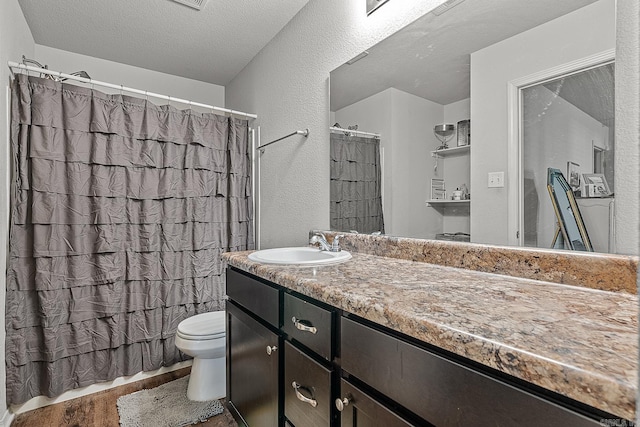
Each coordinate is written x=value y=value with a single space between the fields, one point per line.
x=451 y=151
x=433 y=203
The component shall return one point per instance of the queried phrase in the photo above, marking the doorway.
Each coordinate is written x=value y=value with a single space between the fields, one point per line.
x=565 y=120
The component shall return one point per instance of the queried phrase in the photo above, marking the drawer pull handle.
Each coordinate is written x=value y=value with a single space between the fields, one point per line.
x=342 y=403
x=302 y=397
x=271 y=349
x=299 y=325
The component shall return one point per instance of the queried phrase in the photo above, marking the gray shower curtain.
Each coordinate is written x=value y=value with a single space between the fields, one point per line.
x=120 y=211
x=355 y=193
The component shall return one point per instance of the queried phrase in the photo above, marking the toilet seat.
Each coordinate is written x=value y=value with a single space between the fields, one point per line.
x=204 y=326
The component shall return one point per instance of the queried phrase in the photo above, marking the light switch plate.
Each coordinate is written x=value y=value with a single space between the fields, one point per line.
x=496 y=179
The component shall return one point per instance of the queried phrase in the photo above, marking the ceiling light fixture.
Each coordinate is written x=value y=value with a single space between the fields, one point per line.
x=374 y=4
x=444 y=7
x=357 y=58
x=196 y=4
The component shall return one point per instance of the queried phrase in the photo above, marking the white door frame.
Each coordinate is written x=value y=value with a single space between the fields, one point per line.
x=514 y=147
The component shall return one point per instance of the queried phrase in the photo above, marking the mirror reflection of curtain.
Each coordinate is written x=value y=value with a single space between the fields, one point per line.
x=356 y=195
x=120 y=211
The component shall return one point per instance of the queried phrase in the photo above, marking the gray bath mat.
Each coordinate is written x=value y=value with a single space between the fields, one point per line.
x=165 y=406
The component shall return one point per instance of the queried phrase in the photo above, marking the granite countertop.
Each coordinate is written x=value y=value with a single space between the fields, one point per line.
x=579 y=342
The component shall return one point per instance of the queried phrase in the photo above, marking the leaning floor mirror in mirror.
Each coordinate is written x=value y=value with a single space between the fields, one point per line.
x=447 y=129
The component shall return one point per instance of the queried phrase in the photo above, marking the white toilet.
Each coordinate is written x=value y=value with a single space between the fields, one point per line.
x=203 y=337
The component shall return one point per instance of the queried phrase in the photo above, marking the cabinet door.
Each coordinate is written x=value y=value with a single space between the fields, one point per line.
x=357 y=409
x=252 y=369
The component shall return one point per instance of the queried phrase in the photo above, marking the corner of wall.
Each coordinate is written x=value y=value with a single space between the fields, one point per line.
x=15 y=40
x=627 y=156
x=7 y=418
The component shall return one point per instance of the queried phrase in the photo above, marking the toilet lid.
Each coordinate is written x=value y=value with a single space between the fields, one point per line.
x=203 y=326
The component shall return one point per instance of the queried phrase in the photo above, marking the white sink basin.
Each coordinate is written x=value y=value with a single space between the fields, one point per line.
x=299 y=256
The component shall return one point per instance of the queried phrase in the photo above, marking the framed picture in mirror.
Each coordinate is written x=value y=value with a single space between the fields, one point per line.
x=595 y=185
x=573 y=176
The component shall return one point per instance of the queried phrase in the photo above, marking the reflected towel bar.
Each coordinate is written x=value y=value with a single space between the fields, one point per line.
x=305 y=133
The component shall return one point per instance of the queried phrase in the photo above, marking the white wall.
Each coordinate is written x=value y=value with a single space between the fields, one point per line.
x=585 y=32
x=287 y=85
x=627 y=156
x=456 y=111
x=404 y=122
x=15 y=41
x=134 y=77
x=412 y=120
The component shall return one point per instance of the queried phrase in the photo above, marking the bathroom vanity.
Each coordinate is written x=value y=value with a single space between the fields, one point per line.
x=380 y=341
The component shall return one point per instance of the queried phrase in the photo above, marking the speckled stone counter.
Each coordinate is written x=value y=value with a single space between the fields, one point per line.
x=579 y=342
x=607 y=272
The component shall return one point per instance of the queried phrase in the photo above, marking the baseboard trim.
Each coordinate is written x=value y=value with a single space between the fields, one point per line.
x=42 y=401
x=7 y=418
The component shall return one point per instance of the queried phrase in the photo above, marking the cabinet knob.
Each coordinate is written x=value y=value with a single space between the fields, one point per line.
x=341 y=403
x=300 y=325
x=271 y=349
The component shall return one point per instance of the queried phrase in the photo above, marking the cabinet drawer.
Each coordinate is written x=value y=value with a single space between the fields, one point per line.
x=255 y=296
x=308 y=324
x=441 y=391
x=361 y=410
x=307 y=390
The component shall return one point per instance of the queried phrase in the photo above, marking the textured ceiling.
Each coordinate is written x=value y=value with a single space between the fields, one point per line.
x=211 y=45
x=430 y=58
x=592 y=91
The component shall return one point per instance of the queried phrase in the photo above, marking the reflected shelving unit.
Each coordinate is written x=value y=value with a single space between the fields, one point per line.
x=451 y=151
x=436 y=203
x=455 y=173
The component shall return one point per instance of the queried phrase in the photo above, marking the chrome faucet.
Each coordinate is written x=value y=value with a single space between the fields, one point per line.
x=321 y=240
x=335 y=245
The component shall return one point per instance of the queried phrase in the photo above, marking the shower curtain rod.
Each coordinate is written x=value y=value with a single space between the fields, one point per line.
x=357 y=132
x=126 y=89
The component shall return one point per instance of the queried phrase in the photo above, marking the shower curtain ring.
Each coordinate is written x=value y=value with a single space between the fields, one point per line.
x=121 y=90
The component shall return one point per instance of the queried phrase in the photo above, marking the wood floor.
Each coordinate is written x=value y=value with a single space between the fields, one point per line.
x=99 y=409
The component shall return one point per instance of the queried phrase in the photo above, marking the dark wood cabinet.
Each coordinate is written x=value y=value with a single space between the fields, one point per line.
x=257 y=297
x=308 y=324
x=358 y=409
x=253 y=372
x=307 y=389
x=442 y=391
x=293 y=361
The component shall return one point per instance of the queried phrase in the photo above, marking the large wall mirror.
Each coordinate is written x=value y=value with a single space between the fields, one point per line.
x=447 y=128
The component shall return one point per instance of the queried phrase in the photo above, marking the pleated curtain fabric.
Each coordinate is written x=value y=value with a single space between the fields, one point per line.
x=356 y=192
x=120 y=212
